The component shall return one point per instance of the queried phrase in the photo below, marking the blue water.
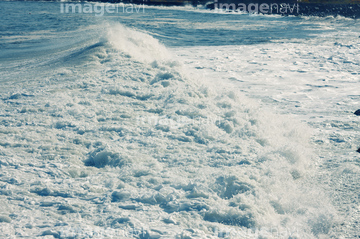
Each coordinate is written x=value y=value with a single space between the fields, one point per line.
x=172 y=27
x=177 y=122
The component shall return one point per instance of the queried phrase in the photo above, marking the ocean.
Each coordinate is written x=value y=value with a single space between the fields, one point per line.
x=133 y=121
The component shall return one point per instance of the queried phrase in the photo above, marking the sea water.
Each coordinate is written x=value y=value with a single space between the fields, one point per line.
x=177 y=122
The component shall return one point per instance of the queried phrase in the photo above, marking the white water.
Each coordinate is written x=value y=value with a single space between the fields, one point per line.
x=116 y=135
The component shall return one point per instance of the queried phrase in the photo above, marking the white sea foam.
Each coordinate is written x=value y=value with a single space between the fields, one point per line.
x=77 y=159
x=138 y=45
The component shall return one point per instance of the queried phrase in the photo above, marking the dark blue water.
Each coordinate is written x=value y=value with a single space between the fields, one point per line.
x=49 y=27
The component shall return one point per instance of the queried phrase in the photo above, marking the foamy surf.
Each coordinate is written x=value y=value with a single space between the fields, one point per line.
x=141 y=147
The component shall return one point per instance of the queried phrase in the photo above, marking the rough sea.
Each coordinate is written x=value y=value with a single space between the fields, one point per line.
x=177 y=122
